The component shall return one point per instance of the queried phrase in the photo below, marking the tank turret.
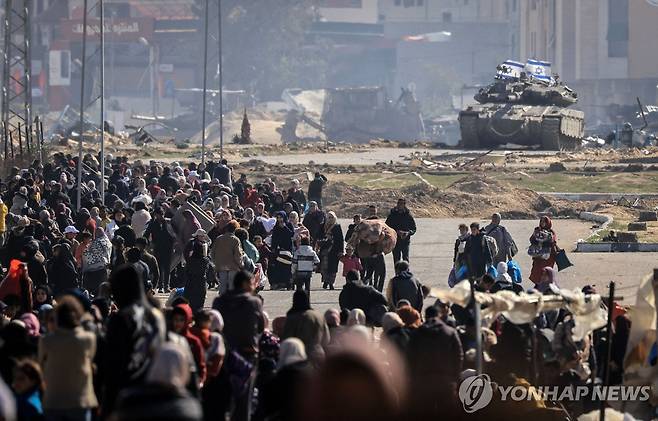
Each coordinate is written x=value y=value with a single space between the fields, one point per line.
x=524 y=105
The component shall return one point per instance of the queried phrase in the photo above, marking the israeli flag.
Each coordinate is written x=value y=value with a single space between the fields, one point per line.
x=510 y=69
x=539 y=69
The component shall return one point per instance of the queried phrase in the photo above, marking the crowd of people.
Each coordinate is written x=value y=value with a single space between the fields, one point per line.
x=85 y=335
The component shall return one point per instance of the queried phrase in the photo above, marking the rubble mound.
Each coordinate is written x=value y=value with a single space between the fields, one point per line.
x=473 y=196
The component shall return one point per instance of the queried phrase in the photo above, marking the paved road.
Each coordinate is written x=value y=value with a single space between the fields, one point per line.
x=431 y=260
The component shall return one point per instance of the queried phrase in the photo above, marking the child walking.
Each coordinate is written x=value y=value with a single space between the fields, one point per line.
x=303 y=263
x=350 y=262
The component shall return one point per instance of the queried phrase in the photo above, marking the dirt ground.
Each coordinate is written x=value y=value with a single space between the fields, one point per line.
x=472 y=196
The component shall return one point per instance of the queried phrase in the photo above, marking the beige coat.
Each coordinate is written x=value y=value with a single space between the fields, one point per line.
x=66 y=360
x=227 y=253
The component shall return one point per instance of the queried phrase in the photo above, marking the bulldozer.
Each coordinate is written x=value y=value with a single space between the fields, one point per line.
x=353 y=114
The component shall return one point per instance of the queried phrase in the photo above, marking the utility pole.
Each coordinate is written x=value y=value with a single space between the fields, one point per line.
x=16 y=78
x=102 y=99
x=205 y=85
x=221 y=74
x=82 y=103
x=97 y=7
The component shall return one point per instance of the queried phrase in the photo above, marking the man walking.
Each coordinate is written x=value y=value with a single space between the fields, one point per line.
x=244 y=322
x=404 y=286
x=315 y=189
x=314 y=222
x=403 y=223
x=506 y=245
x=477 y=252
x=223 y=174
x=227 y=256
x=163 y=237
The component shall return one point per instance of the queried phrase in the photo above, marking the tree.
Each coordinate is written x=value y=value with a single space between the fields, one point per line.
x=264 y=48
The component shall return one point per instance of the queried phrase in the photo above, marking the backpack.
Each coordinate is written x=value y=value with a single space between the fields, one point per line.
x=491 y=244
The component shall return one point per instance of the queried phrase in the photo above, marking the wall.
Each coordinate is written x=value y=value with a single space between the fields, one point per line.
x=643 y=34
x=351 y=11
x=445 y=10
x=470 y=56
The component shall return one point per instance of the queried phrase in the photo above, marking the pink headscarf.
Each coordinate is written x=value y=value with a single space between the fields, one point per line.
x=31 y=324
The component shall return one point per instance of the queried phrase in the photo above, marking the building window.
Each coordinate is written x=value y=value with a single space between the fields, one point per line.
x=533 y=4
x=617 y=28
x=397 y=2
x=513 y=5
x=409 y=3
x=65 y=69
x=419 y=3
x=447 y=17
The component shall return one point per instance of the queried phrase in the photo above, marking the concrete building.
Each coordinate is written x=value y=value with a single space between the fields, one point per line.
x=446 y=11
x=601 y=48
x=480 y=35
x=147 y=55
x=349 y=11
x=436 y=46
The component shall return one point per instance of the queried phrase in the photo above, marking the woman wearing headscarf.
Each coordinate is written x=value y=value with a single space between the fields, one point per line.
x=277 y=202
x=140 y=219
x=66 y=357
x=332 y=247
x=297 y=194
x=308 y=325
x=222 y=218
x=215 y=395
x=200 y=273
x=280 y=266
x=257 y=225
x=282 y=395
x=299 y=229
x=189 y=227
x=543 y=248
x=356 y=317
x=409 y=316
x=92 y=194
x=62 y=216
x=249 y=248
x=163 y=396
x=32 y=325
x=395 y=332
x=548 y=280
x=249 y=216
x=181 y=321
x=95 y=260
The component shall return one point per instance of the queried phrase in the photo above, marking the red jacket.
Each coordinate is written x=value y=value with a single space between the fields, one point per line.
x=18 y=285
x=251 y=199
x=351 y=263
x=195 y=344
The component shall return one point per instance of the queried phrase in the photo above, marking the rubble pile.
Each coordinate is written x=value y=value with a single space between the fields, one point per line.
x=473 y=196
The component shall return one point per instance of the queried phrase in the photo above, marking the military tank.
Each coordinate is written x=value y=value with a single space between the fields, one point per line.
x=525 y=105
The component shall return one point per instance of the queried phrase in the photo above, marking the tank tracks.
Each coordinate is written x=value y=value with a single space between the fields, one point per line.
x=469 y=132
x=553 y=139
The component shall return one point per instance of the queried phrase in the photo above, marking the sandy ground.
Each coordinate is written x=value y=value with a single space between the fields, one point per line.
x=431 y=260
